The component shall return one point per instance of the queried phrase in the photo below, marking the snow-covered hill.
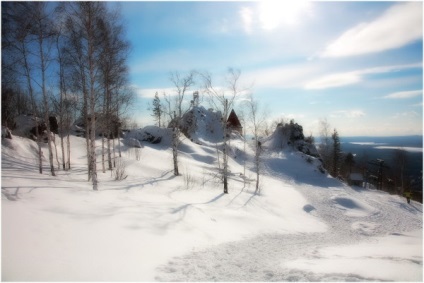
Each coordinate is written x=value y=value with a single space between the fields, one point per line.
x=153 y=225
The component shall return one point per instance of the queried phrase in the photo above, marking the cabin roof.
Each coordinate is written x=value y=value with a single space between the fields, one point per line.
x=233 y=120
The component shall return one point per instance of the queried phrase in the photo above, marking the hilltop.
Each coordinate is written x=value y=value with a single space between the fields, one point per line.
x=154 y=226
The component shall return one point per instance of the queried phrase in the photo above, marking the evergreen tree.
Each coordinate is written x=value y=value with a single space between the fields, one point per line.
x=157 y=108
x=349 y=161
x=336 y=152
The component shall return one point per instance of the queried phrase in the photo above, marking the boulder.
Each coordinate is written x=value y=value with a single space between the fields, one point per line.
x=5 y=133
x=132 y=142
x=148 y=137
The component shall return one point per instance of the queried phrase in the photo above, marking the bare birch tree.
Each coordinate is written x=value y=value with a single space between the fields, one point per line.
x=256 y=121
x=64 y=104
x=222 y=99
x=84 y=43
x=113 y=70
x=19 y=18
x=175 y=110
x=44 y=32
x=182 y=84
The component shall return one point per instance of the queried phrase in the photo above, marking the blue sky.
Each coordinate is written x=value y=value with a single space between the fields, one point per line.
x=357 y=64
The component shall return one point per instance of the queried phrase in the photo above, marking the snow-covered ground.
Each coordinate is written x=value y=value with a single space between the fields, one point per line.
x=154 y=226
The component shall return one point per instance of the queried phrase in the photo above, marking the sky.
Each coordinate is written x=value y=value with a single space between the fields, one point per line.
x=356 y=64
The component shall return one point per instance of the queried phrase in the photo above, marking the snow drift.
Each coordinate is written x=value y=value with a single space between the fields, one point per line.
x=157 y=226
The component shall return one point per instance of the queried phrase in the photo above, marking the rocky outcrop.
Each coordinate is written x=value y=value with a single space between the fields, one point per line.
x=290 y=136
x=150 y=134
x=201 y=124
x=5 y=133
x=27 y=126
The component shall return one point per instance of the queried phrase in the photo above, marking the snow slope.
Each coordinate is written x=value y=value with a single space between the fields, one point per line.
x=154 y=226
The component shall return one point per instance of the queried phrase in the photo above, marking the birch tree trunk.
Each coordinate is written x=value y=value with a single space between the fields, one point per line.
x=27 y=70
x=175 y=142
x=91 y=66
x=103 y=154
x=62 y=114
x=41 y=39
x=225 y=153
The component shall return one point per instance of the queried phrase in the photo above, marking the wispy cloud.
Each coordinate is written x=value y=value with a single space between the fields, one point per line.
x=401 y=24
x=353 y=77
x=335 y=80
x=404 y=94
x=150 y=92
x=287 y=76
x=407 y=114
x=354 y=113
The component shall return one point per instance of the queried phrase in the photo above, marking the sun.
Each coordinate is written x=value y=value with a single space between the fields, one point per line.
x=273 y=14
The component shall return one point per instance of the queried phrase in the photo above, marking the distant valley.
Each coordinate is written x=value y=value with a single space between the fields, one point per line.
x=371 y=148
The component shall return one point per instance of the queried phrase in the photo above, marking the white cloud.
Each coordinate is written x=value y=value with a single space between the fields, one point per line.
x=354 y=113
x=407 y=114
x=401 y=24
x=287 y=76
x=246 y=15
x=334 y=80
x=150 y=92
x=353 y=77
x=306 y=75
x=404 y=94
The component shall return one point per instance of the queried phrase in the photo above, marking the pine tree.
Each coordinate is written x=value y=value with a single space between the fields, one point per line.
x=349 y=161
x=157 y=108
x=336 y=152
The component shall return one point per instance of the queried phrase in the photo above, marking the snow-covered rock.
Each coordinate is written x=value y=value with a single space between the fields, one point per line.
x=5 y=133
x=289 y=136
x=24 y=124
x=150 y=134
x=132 y=142
x=307 y=148
x=200 y=124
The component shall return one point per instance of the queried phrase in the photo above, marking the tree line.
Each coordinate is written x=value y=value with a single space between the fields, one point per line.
x=69 y=60
x=390 y=175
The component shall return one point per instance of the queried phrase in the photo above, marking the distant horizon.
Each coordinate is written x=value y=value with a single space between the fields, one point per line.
x=394 y=136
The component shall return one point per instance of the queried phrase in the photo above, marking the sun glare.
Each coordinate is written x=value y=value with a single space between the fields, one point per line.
x=272 y=14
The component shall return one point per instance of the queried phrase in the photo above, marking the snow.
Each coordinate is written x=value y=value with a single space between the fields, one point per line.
x=367 y=143
x=154 y=226
x=407 y=148
x=203 y=126
x=352 y=207
x=396 y=257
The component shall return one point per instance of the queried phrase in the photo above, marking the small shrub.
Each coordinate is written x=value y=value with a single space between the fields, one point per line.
x=120 y=170
x=137 y=153
x=189 y=180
